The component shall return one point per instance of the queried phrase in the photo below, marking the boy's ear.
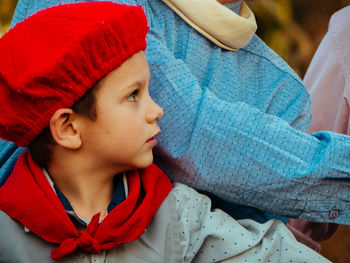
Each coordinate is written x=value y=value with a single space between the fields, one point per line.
x=64 y=129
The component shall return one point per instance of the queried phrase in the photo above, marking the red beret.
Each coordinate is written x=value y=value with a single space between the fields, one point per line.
x=51 y=59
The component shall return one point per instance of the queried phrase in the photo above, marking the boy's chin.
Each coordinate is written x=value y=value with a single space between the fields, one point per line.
x=147 y=161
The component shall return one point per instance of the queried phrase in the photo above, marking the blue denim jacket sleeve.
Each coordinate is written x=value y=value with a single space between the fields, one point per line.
x=227 y=124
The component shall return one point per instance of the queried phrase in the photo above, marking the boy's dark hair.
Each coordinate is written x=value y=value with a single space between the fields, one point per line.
x=40 y=149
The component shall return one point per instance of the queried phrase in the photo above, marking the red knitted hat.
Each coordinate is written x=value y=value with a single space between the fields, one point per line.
x=51 y=59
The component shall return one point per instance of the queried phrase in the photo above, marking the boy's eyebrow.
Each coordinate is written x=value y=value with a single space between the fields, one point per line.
x=133 y=84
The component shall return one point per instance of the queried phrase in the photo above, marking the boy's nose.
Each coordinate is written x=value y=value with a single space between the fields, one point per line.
x=155 y=112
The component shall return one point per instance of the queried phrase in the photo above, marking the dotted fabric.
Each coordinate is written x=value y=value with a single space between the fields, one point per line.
x=184 y=229
x=227 y=123
x=214 y=236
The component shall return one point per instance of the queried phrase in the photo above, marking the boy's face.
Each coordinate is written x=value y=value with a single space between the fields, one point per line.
x=122 y=135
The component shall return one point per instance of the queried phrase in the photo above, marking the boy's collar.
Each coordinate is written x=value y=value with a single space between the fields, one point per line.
x=119 y=195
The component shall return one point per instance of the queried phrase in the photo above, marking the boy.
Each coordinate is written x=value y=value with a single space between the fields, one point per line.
x=78 y=192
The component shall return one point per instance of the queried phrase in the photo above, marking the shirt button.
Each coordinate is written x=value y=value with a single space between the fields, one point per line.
x=333 y=214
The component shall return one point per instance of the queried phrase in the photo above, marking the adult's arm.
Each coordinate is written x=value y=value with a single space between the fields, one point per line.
x=289 y=172
x=233 y=149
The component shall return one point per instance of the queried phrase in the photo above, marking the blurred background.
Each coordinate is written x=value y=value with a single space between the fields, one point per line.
x=293 y=29
x=7 y=8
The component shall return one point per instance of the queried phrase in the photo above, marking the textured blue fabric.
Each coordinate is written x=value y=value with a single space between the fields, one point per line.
x=9 y=154
x=228 y=123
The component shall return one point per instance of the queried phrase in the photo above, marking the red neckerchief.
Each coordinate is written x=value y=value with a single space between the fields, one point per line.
x=28 y=198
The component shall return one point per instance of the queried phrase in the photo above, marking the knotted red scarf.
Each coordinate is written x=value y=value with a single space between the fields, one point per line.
x=28 y=198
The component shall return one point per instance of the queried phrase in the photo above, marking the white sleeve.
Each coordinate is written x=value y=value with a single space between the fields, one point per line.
x=328 y=77
x=213 y=236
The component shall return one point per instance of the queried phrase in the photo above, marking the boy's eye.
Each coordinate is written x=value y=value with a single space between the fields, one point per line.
x=132 y=96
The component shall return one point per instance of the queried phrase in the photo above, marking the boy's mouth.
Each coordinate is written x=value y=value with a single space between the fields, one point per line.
x=153 y=139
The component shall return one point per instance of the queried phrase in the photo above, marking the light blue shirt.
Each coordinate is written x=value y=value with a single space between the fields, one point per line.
x=234 y=124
